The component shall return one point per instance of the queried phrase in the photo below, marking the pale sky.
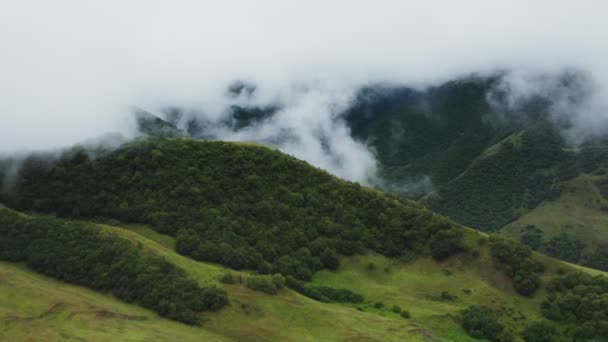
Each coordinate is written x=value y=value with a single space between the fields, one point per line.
x=71 y=69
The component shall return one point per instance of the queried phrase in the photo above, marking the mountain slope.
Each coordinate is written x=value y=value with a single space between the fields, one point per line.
x=417 y=286
x=34 y=307
x=571 y=227
x=242 y=205
x=302 y=255
x=488 y=166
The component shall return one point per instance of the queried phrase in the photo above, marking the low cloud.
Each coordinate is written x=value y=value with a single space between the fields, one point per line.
x=574 y=100
x=72 y=70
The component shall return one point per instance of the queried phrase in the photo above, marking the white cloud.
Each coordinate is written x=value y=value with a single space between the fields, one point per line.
x=70 y=69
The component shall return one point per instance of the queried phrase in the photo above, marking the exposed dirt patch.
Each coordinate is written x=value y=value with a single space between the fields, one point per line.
x=103 y=314
x=52 y=311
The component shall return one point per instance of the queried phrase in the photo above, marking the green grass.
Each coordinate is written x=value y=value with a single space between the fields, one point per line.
x=416 y=286
x=204 y=273
x=413 y=286
x=516 y=139
x=36 y=307
x=576 y=212
x=288 y=316
x=50 y=310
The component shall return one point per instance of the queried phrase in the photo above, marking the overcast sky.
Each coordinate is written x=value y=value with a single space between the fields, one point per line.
x=71 y=70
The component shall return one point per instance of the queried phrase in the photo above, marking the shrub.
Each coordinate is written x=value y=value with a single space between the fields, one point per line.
x=480 y=322
x=540 y=332
x=329 y=259
x=264 y=283
x=278 y=281
x=521 y=266
x=445 y=243
x=445 y=296
x=227 y=278
x=323 y=293
x=339 y=295
x=396 y=309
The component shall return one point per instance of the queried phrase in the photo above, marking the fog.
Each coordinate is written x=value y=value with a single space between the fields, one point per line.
x=73 y=70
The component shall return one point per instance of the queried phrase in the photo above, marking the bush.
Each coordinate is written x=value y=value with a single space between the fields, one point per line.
x=540 y=332
x=396 y=309
x=266 y=283
x=521 y=266
x=405 y=314
x=339 y=295
x=480 y=322
x=329 y=259
x=323 y=293
x=227 y=278
x=378 y=305
x=444 y=243
x=532 y=237
x=445 y=296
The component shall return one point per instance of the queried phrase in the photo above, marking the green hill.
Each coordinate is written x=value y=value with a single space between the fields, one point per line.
x=244 y=206
x=491 y=168
x=432 y=292
x=461 y=152
x=297 y=253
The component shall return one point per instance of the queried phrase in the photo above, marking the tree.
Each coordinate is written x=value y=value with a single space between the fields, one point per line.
x=541 y=331
x=445 y=243
x=329 y=258
x=480 y=322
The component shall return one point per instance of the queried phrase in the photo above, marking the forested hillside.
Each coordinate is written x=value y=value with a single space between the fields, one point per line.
x=244 y=206
x=491 y=168
x=278 y=226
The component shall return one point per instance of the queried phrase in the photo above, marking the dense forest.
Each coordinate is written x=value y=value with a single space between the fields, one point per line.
x=579 y=303
x=466 y=155
x=487 y=197
x=244 y=206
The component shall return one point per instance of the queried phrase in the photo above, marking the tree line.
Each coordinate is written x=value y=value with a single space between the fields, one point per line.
x=81 y=254
x=240 y=205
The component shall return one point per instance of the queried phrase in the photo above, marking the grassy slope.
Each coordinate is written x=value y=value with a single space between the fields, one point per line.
x=576 y=212
x=38 y=308
x=288 y=316
x=75 y=312
x=252 y=316
x=416 y=285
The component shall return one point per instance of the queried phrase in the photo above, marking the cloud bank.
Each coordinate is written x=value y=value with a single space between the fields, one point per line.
x=72 y=69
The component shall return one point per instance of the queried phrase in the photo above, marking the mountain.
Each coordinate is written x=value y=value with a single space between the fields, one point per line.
x=460 y=150
x=151 y=125
x=503 y=170
x=261 y=246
